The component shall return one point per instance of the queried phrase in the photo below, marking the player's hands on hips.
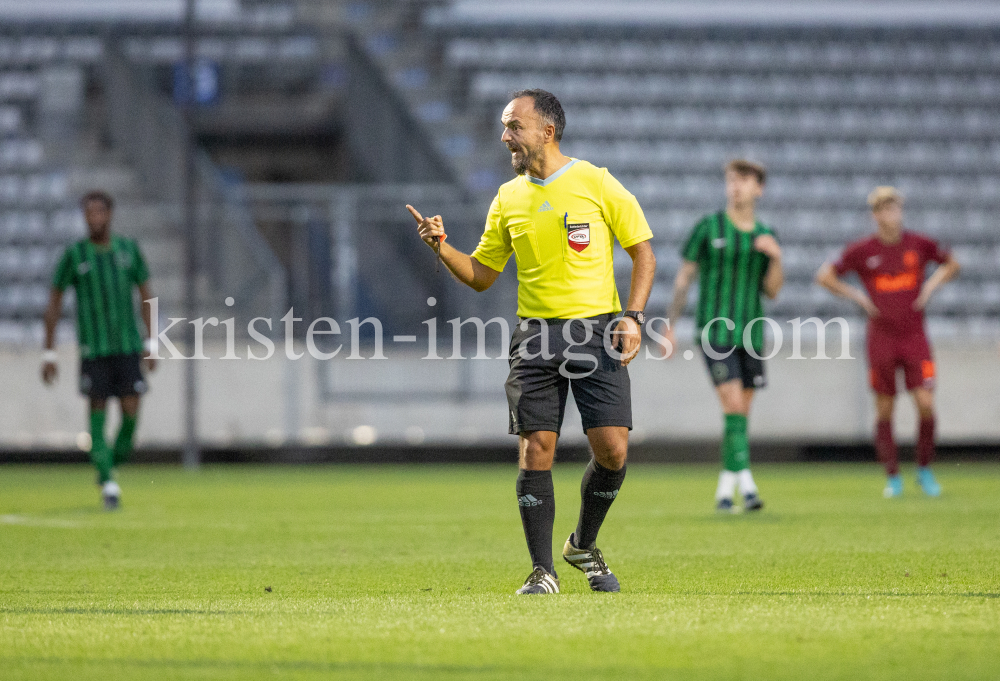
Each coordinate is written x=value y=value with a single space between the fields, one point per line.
x=767 y=245
x=627 y=338
x=868 y=306
x=921 y=302
x=428 y=228
x=50 y=371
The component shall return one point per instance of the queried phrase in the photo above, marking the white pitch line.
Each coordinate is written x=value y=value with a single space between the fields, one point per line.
x=38 y=522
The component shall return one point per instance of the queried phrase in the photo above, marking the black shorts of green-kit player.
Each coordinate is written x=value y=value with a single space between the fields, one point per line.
x=101 y=378
x=576 y=359
x=736 y=364
x=112 y=376
x=537 y=389
x=731 y=275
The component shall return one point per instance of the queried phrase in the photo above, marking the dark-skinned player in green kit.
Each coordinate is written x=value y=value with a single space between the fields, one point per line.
x=104 y=269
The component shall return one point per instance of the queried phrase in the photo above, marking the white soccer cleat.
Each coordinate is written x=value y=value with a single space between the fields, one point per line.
x=111 y=493
x=540 y=582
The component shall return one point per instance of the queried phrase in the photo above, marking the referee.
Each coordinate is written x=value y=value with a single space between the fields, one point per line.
x=559 y=218
x=104 y=269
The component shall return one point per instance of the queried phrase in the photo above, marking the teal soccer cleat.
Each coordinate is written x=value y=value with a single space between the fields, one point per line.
x=927 y=482
x=893 y=487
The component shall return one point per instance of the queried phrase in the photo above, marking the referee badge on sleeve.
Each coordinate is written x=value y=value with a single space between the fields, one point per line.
x=578 y=236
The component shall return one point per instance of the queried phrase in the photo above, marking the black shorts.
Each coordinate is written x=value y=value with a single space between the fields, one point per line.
x=112 y=376
x=537 y=388
x=739 y=364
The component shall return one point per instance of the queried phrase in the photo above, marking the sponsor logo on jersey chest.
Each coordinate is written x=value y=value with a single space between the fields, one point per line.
x=578 y=236
x=893 y=283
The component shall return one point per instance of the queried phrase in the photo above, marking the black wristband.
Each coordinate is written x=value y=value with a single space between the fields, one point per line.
x=638 y=315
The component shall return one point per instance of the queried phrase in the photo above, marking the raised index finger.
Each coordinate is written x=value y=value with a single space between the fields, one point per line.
x=413 y=211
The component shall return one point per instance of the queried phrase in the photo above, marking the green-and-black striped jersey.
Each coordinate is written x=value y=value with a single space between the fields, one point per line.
x=731 y=272
x=104 y=277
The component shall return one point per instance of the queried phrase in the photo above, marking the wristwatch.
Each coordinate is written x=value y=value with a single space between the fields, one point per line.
x=638 y=315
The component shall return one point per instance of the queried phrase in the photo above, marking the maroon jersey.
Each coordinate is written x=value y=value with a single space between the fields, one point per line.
x=893 y=275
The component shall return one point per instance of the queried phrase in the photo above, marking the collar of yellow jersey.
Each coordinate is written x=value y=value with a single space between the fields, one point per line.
x=553 y=177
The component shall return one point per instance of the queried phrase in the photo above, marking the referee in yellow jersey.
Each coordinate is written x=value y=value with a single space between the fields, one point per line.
x=559 y=218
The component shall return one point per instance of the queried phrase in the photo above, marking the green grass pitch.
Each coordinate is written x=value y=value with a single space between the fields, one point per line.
x=408 y=572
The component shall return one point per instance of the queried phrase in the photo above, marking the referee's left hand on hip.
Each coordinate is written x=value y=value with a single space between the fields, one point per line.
x=628 y=338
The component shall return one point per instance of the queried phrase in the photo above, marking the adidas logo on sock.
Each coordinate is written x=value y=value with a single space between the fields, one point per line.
x=545 y=206
x=607 y=495
x=528 y=500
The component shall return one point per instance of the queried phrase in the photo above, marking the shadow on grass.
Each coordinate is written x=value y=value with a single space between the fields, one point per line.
x=116 y=611
x=890 y=594
x=268 y=665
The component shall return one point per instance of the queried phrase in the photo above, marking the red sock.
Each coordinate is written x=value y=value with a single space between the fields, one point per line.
x=886 y=447
x=925 y=442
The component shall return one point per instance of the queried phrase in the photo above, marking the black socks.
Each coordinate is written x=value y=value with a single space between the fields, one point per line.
x=536 y=499
x=537 y=503
x=597 y=491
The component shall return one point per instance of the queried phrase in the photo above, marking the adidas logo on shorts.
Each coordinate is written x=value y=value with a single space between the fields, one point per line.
x=528 y=500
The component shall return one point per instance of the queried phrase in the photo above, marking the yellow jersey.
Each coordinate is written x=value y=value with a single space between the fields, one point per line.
x=561 y=231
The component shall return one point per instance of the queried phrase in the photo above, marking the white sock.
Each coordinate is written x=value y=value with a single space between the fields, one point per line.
x=747 y=485
x=727 y=485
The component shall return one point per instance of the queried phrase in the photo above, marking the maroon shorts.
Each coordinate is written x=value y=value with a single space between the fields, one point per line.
x=889 y=353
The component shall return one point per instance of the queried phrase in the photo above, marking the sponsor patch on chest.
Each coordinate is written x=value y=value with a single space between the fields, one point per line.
x=578 y=235
x=123 y=260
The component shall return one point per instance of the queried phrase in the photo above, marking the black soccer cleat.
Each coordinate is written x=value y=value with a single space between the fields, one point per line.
x=752 y=502
x=540 y=582
x=725 y=506
x=591 y=563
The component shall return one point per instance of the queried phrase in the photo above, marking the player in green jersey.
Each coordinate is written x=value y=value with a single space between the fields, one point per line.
x=104 y=269
x=737 y=258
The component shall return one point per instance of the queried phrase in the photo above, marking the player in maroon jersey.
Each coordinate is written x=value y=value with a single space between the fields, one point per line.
x=891 y=266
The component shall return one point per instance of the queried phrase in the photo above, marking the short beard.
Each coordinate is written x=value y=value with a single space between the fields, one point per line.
x=525 y=161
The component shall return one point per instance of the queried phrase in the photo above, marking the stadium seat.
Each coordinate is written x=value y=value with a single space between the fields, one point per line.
x=831 y=116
